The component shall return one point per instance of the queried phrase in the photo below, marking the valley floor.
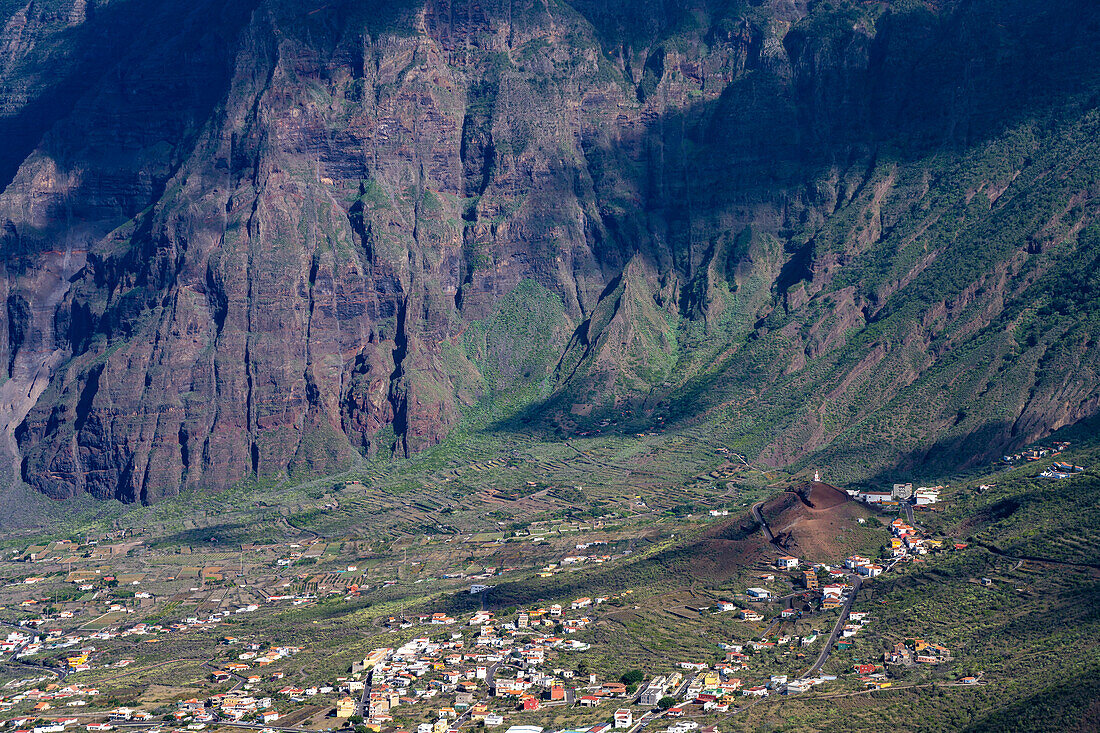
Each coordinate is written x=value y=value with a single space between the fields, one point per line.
x=568 y=605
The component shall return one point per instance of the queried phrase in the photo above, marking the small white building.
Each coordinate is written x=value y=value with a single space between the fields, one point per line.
x=624 y=718
x=925 y=496
x=758 y=593
x=787 y=563
x=856 y=561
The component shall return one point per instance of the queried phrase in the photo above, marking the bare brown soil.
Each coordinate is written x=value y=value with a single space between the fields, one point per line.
x=812 y=522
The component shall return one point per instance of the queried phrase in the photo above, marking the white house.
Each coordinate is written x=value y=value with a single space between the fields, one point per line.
x=623 y=718
x=798 y=686
x=759 y=593
x=925 y=496
x=787 y=563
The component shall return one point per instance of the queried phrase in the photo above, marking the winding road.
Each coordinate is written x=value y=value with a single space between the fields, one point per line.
x=14 y=660
x=844 y=611
x=760 y=518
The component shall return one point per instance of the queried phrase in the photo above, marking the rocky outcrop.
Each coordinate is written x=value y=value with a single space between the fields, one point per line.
x=288 y=234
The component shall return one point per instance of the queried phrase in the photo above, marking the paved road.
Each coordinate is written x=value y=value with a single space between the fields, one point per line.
x=844 y=611
x=645 y=720
x=908 y=510
x=462 y=718
x=760 y=518
x=771 y=627
x=491 y=674
x=212 y=724
x=240 y=680
x=364 y=699
x=14 y=659
x=788 y=600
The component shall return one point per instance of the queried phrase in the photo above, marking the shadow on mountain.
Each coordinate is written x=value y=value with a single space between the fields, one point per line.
x=840 y=97
x=931 y=85
x=960 y=456
x=112 y=120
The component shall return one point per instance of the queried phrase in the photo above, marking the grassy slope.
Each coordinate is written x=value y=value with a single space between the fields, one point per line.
x=1031 y=634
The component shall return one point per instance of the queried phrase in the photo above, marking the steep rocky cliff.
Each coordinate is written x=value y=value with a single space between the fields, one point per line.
x=257 y=238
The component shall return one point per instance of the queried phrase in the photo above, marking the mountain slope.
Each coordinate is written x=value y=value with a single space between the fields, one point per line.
x=292 y=232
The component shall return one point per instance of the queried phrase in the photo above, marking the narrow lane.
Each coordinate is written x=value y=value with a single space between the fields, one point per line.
x=760 y=518
x=844 y=611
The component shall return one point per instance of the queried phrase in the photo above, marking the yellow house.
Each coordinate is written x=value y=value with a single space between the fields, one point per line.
x=345 y=707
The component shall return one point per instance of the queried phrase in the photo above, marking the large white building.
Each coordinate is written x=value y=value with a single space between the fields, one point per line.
x=925 y=496
x=653 y=692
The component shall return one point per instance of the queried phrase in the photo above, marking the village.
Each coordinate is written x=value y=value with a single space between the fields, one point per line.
x=487 y=668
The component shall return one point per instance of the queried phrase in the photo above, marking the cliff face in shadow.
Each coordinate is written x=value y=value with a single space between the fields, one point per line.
x=284 y=233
